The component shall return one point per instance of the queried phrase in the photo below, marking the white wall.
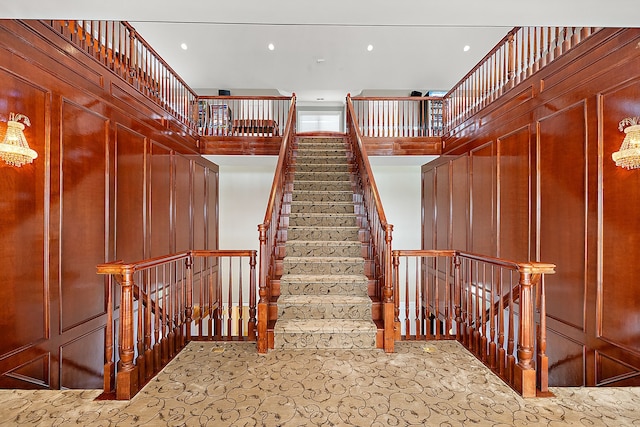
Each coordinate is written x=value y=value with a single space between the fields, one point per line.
x=245 y=183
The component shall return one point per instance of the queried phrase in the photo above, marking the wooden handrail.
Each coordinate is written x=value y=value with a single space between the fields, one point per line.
x=522 y=52
x=375 y=224
x=471 y=298
x=176 y=295
x=268 y=229
x=119 y=47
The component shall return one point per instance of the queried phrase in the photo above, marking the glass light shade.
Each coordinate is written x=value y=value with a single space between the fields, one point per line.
x=14 y=148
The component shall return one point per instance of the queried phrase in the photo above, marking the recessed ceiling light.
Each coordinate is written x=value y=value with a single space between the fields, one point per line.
x=271 y=46
x=184 y=46
x=466 y=48
x=370 y=47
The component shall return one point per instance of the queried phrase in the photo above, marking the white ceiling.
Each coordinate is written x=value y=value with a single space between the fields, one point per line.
x=320 y=46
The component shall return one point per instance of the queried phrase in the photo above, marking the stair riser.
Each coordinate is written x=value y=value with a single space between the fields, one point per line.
x=321 y=146
x=307 y=340
x=319 y=234
x=307 y=250
x=348 y=220
x=322 y=196
x=295 y=267
x=322 y=152
x=337 y=288
x=323 y=186
x=322 y=176
x=301 y=207
x=315 y=167
x=325 y=311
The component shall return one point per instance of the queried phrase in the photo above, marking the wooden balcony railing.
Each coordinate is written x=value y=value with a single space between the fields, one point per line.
x=398 y=117
x=494 y=307
x=522 y=52
x=118 y=46
x=161 y=304
x=242 y=115
x=273 y=224
x=369 y=208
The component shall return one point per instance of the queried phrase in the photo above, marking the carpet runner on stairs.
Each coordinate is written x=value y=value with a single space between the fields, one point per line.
x=323 y=299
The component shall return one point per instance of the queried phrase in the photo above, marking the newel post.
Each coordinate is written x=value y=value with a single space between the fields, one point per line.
x=263 y=305
x=525 y=373
x=457 y=297
x=387 y=294
x=396 y=292
x=188 y=305
x=127 y=376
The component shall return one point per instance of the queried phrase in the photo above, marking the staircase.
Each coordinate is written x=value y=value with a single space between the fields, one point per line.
x=324 y=301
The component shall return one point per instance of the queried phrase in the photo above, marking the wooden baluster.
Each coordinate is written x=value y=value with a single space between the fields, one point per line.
x=542 y=361
x=511 y=334
x=141 y=314
x=436 y=299
x=263 y=315
x=157 y=322
x=229 y=299
x=165 y=315
x=148 y=316
x=240 y=299
x=109 y=365
x=202 y=307
x=389 y=325
x=407 y=321
x=525 y=378
x=252 y=296
x=483 y=315
x=127 y=376
x=219 y=320
x=469 y=288
x=501 y=351
x=492 y=321
x=396 y=287
x=457 y=296
x=447 y=298
x=511 y=63
x=418 y=286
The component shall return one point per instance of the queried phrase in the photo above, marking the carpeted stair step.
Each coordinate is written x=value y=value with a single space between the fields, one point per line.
x=305 y=248
x=335 y=284
x=323 y=219
x=322 y=176
x=322 y=233
x=322 y=185
x=324 y=307
x=322 y=196
x=322 y=265
x=301 y=206
x=321 y=167
x=320 y=334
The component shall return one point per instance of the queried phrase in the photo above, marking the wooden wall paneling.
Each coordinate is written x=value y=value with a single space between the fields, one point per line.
x=566 y=359
x=199 y=206
x=561 y=154
x=183 y=204
x=212 y=208
x=443 y=206
x=514 y=195
x=26 y=288
x=428 y=207
x=618 y=295
x=160 y=198
x=83 y=162
x=130 y=194
x=482 y=200
x=82 y=361
x=460 y=203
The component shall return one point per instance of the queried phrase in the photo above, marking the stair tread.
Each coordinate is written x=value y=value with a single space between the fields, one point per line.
x=323 y=242
x=324 y=278
x=324 y=326
x=335 y=299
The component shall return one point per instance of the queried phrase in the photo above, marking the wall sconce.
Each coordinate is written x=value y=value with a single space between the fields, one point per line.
x=14 y=148
x=629 y=154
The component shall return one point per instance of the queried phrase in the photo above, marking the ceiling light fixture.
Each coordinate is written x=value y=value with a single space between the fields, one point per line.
x=14 y=148
x=466 y=48
x=184 y=46
x=629 y=154
x=271 y=46
x=370 y=47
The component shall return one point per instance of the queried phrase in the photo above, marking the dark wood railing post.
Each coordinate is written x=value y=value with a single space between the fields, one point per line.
x=188 y=305
x=109 y=365
x=252 y=296
x=387 y=294
x=525 y=374
x=263 y=304
x=542 y=361
x=457 y=289
x=396 y=289
x=127 y=376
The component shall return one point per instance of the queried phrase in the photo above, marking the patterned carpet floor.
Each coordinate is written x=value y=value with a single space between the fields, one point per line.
x=229 y=384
